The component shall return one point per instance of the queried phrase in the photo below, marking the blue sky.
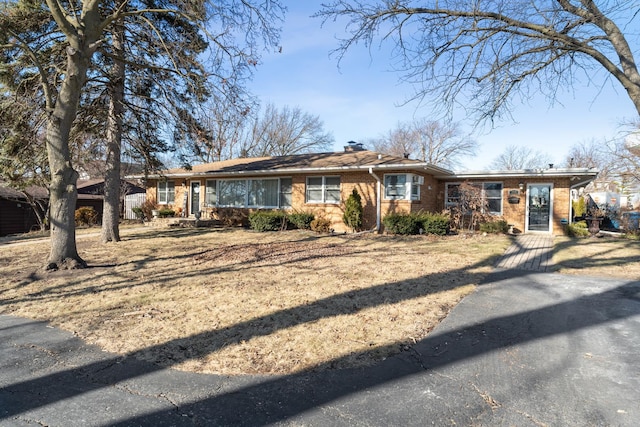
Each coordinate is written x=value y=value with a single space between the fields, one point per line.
x=361 y=98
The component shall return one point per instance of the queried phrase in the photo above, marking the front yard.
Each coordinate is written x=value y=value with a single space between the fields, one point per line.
x=236 y=301
x=233 y=301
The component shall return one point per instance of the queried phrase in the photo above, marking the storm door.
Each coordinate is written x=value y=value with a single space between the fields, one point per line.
x=539 y=207
x=195 y=197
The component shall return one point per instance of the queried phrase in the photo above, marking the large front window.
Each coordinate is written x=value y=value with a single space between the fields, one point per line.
x=402 y=187
x=488 y=195
x=166 y=192
x=323 y=189
x=249 y=193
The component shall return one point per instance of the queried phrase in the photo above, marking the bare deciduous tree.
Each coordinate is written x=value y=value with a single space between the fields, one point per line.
x=490 y=51
x=285 y=132
x=517 y=157
x=439 y=143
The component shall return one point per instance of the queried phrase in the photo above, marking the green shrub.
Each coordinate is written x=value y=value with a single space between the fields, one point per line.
x=138 y=212
x=321 y=225
x=416 y=223
x=432 y=223
x=301 y=220
x=267 y=220
x=353 y=211
x=579 y=207
x=578 y=229
x=402 y=224
x=85 y=215
x=166 y=213
x=494 y=227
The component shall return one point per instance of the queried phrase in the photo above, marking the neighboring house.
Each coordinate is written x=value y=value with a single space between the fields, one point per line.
x=91 y=192
x=16 y=214
x=532 y=201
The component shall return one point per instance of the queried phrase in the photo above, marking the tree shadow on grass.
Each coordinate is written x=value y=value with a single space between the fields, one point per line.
x=266 y=400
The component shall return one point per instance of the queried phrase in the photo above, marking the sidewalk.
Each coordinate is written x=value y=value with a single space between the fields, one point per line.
x=531 y=252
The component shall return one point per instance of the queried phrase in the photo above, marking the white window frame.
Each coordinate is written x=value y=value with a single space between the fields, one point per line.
x=163 y=193
x=324 y=188
x=412 y=184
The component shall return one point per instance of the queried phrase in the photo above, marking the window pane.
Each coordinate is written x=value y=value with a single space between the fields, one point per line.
x=493 y=190
x=210 y=193
x=314 y=189
x=263 y=193
x=286 y=188
x=395 y=186
x=332 y=189
x=494 y=205
x=170 y=192
x=232 y=193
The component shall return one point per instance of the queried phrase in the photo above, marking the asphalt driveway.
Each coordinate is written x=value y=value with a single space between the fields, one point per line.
x=526 y=348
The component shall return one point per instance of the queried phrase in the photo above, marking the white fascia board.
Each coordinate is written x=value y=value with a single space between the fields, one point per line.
x=523 y=173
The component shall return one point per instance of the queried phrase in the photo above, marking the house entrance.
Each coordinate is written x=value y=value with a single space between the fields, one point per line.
x=539 y=207
x=195 y=197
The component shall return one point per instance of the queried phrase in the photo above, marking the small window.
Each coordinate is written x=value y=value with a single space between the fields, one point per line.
x=166 y=192
x=323 y=189
x=402 y=187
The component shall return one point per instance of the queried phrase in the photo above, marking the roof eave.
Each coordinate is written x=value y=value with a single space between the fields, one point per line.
x=285 y=171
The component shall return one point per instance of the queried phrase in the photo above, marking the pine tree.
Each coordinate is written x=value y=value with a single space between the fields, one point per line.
x=353 y=211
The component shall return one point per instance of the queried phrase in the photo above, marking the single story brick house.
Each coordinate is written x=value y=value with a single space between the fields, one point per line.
x=532 y=200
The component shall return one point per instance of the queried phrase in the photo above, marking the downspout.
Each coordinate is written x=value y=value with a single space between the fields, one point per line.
x=378 y=199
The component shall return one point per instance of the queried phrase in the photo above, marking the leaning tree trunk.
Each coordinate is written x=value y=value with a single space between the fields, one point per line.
x=111 y=206
x=63 y=190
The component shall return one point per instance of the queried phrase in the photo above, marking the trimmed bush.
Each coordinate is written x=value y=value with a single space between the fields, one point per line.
x=578 y=229
x=432 y=223
x=301 y=220
x=138 y=212
x=321 y=225
x=494 y=227
x=403 y=224
x=267 y=220
x=166 y=213
x=416 y=223
x=85 y=215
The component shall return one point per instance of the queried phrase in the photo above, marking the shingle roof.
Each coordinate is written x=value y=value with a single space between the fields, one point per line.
x=305 y=162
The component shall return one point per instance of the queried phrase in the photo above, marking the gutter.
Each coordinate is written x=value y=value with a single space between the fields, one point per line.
x=378 y=198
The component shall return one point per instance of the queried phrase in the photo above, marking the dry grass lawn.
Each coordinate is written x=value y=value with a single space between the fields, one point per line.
x=236 y=301
x=604 y=256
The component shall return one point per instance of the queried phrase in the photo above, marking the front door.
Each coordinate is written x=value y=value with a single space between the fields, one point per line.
x=539 y=207
x=195 y=197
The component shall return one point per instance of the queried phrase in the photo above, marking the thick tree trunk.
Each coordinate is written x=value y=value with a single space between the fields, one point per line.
x=112 y=187
x=63 y=191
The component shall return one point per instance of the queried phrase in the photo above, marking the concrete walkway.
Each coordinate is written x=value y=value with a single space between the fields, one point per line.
x=530 y=252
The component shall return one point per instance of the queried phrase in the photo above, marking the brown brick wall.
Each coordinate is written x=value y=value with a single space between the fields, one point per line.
x=514 y=213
